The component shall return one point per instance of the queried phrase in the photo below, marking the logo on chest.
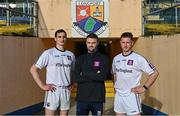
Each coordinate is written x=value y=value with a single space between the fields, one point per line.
x=69 y=58
x=130 y=62
x=96 y=64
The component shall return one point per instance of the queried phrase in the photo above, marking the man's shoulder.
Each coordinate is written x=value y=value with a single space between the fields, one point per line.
x=137 y=55
x=48 y=51
x=69 y=52
x=118 y=56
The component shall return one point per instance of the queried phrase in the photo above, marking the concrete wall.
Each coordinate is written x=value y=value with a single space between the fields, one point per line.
x=164 y=52
x=124 y=15
x=18 y=90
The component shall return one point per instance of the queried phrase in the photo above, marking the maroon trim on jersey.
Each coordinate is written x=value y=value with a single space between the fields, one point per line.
x=128 y=54
x=60 y=50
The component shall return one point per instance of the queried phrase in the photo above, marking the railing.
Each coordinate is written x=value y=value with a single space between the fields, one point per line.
x=161 y=18
x=19 y=19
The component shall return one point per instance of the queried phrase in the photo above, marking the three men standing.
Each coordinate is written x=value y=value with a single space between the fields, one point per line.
x=90 y=72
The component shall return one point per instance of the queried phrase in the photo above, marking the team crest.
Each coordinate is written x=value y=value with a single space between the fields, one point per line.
x=130 y=62
x=96 y=63
x=69 y=58
x=89 y=16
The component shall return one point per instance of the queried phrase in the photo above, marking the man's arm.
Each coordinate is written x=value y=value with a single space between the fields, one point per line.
x=114 y=80
x=98 y=75
x=78 y=76
x=35 y=74
x=148 y=83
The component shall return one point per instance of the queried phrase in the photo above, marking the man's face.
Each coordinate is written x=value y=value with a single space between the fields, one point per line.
x=60 y=39
x=91 y=44
x=126 y=44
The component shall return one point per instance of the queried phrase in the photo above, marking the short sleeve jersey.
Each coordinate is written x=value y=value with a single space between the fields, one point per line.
x=129 y=70
x=59 y=66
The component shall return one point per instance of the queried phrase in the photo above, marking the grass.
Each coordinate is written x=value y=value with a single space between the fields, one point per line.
x=17 y=30
x=161 y=29
x=2 y=22
x=150 y=29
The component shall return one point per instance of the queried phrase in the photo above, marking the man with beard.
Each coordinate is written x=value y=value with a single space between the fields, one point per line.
x=91 y=70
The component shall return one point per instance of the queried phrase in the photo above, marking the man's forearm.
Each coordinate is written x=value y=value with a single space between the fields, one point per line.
x=151 y=79
x=35 y=75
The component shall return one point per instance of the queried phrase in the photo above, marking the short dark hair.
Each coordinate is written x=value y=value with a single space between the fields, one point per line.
x=127 y=34
x=60 y=31
x=93 y=35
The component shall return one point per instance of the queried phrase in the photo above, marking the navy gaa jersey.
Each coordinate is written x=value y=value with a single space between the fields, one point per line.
x=59 y=65
x=128 y=71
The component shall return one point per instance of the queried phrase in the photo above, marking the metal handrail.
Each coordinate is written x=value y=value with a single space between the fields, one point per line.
x=12 y=10
x=161 y=10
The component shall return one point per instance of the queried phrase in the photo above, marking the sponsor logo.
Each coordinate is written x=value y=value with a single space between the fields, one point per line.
x=123 y=70
x=124 y=60
x=56 y=56
x=118 y=61
x=62 y=65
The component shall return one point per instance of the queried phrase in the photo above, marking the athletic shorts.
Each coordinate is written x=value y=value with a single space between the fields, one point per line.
x=130 y=105
x=59 y=98
x=83 y=108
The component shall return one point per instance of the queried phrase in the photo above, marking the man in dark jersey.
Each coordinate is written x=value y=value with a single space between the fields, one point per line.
x=91 y=70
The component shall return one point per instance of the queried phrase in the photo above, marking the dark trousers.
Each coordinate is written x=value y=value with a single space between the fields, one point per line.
x=83 y=108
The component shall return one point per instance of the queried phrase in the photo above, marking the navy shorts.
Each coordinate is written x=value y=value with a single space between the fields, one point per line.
x=83 y=108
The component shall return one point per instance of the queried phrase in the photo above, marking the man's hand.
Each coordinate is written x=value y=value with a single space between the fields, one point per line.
x=139 y=89
x=49 y=87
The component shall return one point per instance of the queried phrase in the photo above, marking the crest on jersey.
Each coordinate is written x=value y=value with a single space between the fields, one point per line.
x=89 y=16
x=130 y=62
x=69 y=57
x=96 y=63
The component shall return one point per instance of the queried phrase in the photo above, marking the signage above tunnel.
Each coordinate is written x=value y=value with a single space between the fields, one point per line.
x=90 y=16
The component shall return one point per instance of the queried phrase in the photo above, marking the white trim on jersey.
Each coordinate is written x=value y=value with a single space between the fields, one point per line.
x=59 y=66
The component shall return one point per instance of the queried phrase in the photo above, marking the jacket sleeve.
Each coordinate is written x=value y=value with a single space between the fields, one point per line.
x=98 y=75
x=78 y=76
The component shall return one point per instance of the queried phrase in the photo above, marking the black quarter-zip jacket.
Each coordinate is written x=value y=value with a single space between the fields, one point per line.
x=91 y=70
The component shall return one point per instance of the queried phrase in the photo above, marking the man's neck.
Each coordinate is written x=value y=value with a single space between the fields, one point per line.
x=127 y=53
x=61 y=48
x=92 y=51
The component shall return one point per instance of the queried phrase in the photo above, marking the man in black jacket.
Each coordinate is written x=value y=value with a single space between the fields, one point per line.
x=91 y=70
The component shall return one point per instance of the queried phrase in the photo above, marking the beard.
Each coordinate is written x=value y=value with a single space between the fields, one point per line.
x=91 y=49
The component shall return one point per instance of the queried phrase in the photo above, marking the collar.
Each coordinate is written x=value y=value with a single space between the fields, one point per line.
x=60 y=50
x=127 y=54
